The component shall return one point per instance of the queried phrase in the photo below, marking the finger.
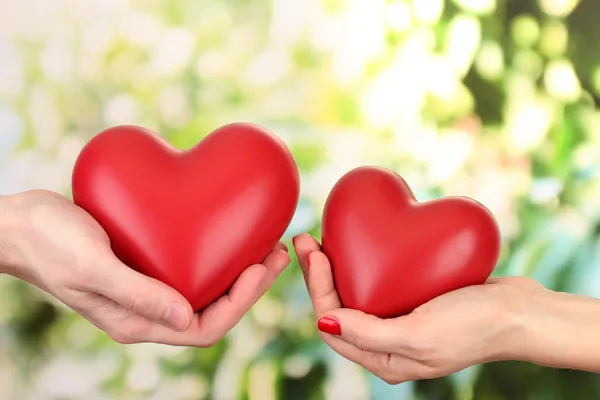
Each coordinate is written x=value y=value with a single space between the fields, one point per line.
x=381 y=364
x=275 y=263
x=370 y=342
x=367 y=332
x=350 y=342
x=281 y=246
x=127 y=327
x=218 y=318
x=320 y=284
x=141 y=295
x=207 y=328
x=304 y=244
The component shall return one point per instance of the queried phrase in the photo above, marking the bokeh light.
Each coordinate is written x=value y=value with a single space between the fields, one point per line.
x=496 y=100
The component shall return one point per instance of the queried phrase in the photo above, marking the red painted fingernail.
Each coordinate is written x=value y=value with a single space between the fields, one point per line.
x=329 y=325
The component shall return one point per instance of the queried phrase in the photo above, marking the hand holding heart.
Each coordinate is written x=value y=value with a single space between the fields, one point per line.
x=469 y=326
x=390 y=254
x=194 y=219
x=60 y=248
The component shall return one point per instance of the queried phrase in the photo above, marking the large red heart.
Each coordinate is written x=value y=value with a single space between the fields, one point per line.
x=195 y=219
x=390 y=254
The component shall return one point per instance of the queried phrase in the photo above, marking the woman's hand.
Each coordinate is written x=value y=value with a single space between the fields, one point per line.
x=505 y=319
x=50 y=242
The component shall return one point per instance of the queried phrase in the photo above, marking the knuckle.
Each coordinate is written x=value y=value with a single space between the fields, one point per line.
x=390 y=380
x=87 y=279
x=78 y=277
x=388 y=376
x=359 y=338
x=122 y=339
x=426 y=371
x=142 y=304
x=428 y=364
x=382 y=363
x=412 y=372
x=137 y=303
x=393 y=373
x=146 y=303
x=127 y=334
x=208 y=341
x=422 y=347
x=381 y=366
x=121 y=336
x=425 y=353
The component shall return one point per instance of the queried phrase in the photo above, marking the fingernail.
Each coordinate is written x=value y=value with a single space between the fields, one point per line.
x=294 y=240
x=329 y=325
x=177 y=317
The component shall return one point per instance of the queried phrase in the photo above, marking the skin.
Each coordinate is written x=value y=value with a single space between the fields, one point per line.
x=55 y=245
x=512 y=318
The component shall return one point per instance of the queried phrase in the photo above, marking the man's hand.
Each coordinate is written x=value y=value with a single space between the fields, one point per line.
x=50 y=242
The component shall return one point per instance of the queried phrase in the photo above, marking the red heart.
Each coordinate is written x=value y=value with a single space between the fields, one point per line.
x=195 y=219
x=390 y=254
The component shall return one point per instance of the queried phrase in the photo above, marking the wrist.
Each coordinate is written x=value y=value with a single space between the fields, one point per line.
x=561 y=330
x=513 y=330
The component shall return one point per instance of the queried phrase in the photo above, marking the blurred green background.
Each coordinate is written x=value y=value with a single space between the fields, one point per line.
x=493 y=99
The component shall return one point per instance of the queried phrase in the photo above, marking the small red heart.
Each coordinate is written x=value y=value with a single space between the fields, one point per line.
x=192 y=219
x=390 y=254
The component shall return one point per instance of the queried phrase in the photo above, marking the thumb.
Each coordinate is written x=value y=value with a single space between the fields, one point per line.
x=145 y=296
x=364 y=331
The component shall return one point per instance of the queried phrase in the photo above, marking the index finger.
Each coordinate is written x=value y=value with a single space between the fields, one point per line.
x=325 y=300
x=323 y=295
x=304 y=244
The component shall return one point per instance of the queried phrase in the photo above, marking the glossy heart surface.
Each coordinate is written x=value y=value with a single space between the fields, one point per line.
x=391 y=254
x=192 y=219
